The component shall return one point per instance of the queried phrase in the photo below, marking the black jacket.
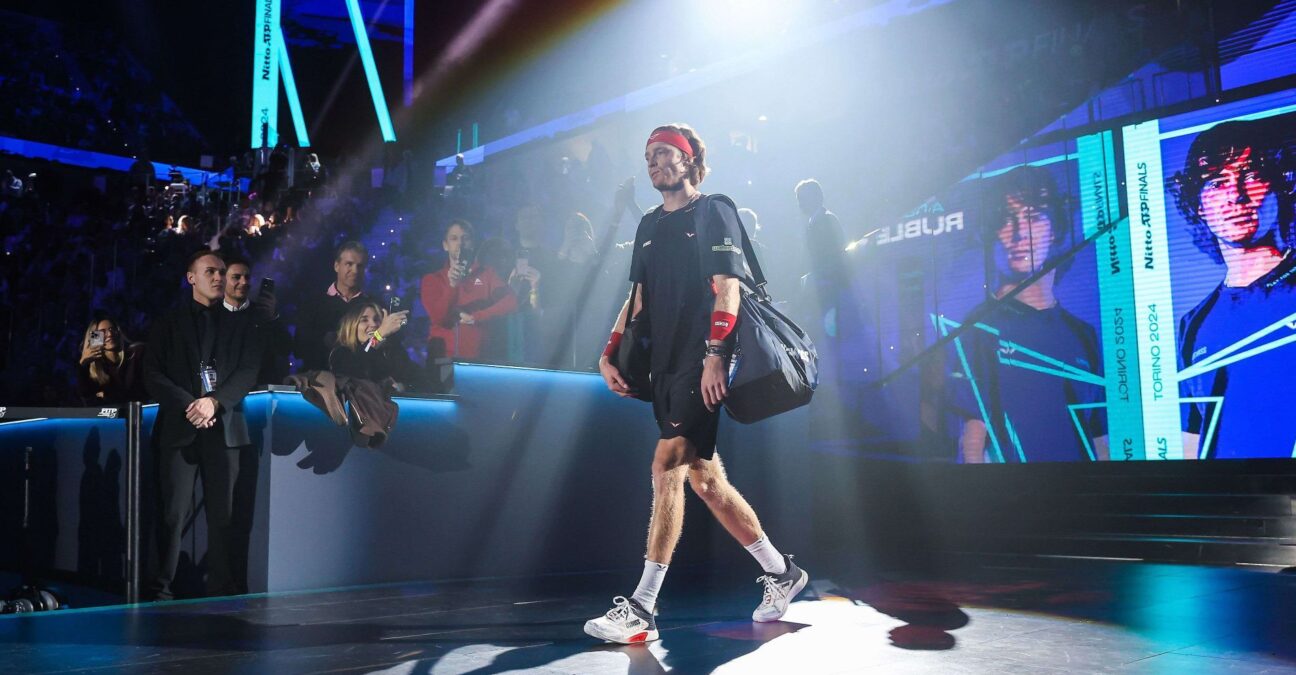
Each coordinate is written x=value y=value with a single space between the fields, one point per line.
x=376 y=365
x=171 y=373
x=317 y=324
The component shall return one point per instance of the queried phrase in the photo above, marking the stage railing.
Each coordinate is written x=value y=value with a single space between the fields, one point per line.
x=131 y=414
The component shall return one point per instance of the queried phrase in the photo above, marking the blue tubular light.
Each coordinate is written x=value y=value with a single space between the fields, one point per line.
x=409 y=52
x=265 y=74
x=371 y=71
x=290 y=87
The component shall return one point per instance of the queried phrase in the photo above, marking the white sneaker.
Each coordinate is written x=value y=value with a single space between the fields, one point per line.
x=626 y=623
x=779 y=591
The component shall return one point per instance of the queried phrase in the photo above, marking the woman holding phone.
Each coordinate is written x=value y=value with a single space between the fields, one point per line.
x=110 y=369
x=365 y=349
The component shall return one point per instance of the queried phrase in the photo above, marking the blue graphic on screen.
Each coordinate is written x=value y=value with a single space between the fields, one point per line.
x=1232 y=232
x=1027 y=384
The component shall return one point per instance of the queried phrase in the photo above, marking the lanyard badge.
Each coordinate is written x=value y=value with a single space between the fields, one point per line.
x=207 y=375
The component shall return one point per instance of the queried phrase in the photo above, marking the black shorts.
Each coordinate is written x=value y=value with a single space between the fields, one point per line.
x=680 y=412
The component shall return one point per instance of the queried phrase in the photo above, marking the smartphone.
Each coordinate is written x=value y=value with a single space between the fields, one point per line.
x=394 y=305
x=267 y=285
x=96 y=338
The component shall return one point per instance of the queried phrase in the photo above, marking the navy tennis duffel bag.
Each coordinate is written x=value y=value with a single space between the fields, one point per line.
x=774 y=367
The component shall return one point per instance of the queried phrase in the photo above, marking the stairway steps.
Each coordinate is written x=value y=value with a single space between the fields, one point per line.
x=1174 y=524
x=1197 y=550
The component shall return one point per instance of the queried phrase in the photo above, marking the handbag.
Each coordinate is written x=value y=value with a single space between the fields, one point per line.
x=775 y=366
x=634 y=355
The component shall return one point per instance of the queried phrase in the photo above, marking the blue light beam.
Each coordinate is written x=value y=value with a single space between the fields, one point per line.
x=371 y=71
x=290 y=87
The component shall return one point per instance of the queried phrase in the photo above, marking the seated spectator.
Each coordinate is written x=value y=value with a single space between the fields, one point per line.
x=463 y=299
x=317 y=324
x=111 y=367
x=366 y=348
x=11 y=185
x=366 y=365
x=313 y=175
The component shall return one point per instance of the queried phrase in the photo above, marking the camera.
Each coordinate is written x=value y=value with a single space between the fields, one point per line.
x=30 y=599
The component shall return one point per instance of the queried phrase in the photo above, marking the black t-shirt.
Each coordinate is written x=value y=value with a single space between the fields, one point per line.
x=677 y=291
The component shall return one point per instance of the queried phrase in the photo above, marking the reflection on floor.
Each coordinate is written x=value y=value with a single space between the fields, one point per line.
x=1036 y=616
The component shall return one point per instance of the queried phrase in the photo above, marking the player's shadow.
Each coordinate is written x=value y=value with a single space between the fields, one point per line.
x=929 y=615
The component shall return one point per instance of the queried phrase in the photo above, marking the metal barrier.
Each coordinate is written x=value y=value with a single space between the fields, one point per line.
x=131 y=414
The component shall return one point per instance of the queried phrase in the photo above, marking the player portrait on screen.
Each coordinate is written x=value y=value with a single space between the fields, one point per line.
x=1235 y=193
x=1018 y=372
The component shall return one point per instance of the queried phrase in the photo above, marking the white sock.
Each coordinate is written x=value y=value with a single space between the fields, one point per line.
x=649 y=584
x=769 y=557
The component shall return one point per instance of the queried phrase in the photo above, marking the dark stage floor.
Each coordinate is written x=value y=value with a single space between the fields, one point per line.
x=1036 y=616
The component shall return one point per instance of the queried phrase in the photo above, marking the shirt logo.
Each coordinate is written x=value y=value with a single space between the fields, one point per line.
x=646 y=244
x=3 y=411
x=676 y=424
x=110 y=413
x=690 y=235
x=477 y=281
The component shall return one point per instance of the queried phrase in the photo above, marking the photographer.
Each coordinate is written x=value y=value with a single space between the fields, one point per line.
x=110 y=370
x=276 y=341
x=366 y=348
x=463 y=299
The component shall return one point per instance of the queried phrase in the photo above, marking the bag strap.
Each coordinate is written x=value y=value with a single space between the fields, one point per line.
x=755 y=276
x=648 y=220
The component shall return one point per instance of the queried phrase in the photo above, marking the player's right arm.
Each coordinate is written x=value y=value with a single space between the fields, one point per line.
x=612 y=376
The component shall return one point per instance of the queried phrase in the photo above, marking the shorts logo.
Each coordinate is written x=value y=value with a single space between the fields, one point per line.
x=676 y=424
x=690 y=235
x=646 y=244
x=1200 y=352
x=3 y=411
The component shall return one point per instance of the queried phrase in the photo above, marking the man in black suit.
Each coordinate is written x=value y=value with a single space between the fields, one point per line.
x=200 y=364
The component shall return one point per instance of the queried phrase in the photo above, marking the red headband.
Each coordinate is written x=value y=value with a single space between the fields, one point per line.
x=671 y=138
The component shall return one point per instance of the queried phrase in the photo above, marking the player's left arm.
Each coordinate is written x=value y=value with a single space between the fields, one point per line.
x=724 y=317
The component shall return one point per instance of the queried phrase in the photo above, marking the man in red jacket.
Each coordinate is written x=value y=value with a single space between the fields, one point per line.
x=462 y=299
